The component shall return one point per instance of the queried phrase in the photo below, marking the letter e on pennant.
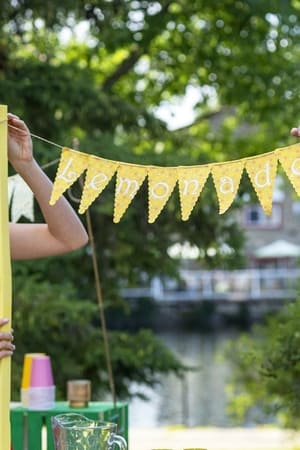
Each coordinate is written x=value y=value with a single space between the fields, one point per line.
x=99 y=173
x=289 y=158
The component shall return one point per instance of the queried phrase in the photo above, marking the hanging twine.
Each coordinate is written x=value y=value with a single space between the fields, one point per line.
x=101 y=309
x=35 y=136
x=90 y=232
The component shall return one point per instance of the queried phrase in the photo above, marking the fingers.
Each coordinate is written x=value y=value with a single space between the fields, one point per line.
x=11 y=116
x=6 y=336
x=6 y=346
x=18 y=126
x=6 y=340
x=3 y=321
x=295 y=132
x=4 y=353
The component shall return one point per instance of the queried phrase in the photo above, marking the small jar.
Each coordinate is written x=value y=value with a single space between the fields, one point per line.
x=78 y=393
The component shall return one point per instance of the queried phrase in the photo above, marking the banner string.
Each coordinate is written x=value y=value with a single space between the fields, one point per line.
x=51 y=163
x=37 y=137
x=190 y=179
x=133 y=164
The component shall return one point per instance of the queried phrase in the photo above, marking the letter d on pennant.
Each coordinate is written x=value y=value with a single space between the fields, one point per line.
x=262 y=173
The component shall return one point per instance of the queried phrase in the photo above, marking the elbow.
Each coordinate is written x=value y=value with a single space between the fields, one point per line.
x=85 y=240
x=82 y=241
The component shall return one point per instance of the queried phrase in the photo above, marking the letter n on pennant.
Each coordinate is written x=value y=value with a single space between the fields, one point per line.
x=129 y=180
x=191 y=181
x=71 y=166
x=262 y=173
x=227 y=179
x=289 y=158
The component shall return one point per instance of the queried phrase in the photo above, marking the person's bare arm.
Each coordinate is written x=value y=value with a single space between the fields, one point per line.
x=62 y=231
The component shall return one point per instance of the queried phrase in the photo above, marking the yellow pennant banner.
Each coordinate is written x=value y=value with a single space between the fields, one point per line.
x=72 y=164
x=262 y=173
x=162 y=181
x=129 y=180
x=227 y=180
x=191 y=180
x=99 y=173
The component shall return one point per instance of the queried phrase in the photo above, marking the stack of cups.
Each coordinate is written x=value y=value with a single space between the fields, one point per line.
x=37 y=389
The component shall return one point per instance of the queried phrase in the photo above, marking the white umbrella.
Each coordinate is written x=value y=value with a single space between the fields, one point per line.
x=278 y=249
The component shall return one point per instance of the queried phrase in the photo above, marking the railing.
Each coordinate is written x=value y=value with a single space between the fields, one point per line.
x=235 y=285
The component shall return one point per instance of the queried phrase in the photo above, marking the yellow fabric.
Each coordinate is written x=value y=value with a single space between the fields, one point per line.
x=262 y=173
x=99 y=173
x=191 y=181
x=227 y=180
x=71 y=166
x=129 y=180
x=162 y=180
x=289 y=158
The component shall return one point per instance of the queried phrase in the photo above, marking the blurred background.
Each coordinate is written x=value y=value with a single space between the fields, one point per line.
x=202 y=316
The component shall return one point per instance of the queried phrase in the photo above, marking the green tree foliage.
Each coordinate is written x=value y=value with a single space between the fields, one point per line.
x=50 y=318
x=266 y=370
x=105 y=87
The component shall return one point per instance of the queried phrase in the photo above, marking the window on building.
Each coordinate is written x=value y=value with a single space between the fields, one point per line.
x=254 y=217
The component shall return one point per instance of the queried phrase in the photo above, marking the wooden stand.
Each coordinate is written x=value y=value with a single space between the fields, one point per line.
x=31 y=428
x=5 y=282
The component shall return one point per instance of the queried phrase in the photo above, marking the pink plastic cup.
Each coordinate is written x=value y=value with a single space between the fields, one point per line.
x=41 y=372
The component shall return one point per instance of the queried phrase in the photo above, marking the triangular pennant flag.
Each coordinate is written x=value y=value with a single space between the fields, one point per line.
x=71 y=166
x=161 y=181
x=227 y=179
x=191 y=181
x=262 y=173
x=130 y=177
x=289 y=158
x=22 y=201
x=11 y=187
x=98 y=175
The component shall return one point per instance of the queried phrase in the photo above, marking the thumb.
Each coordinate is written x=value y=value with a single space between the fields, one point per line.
x=3 y=321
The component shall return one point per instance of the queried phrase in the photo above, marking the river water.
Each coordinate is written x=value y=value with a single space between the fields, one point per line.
x=198 y=400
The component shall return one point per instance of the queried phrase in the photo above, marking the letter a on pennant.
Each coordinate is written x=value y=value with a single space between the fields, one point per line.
x=129 y=180
x=227 y=179
x=71 y=166
x=262 y=173
x=162 y=181
x=289 y=158
x=98 y=175
x=191 y=181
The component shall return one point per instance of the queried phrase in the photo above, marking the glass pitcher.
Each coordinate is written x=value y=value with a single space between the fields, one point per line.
x=76 y=432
